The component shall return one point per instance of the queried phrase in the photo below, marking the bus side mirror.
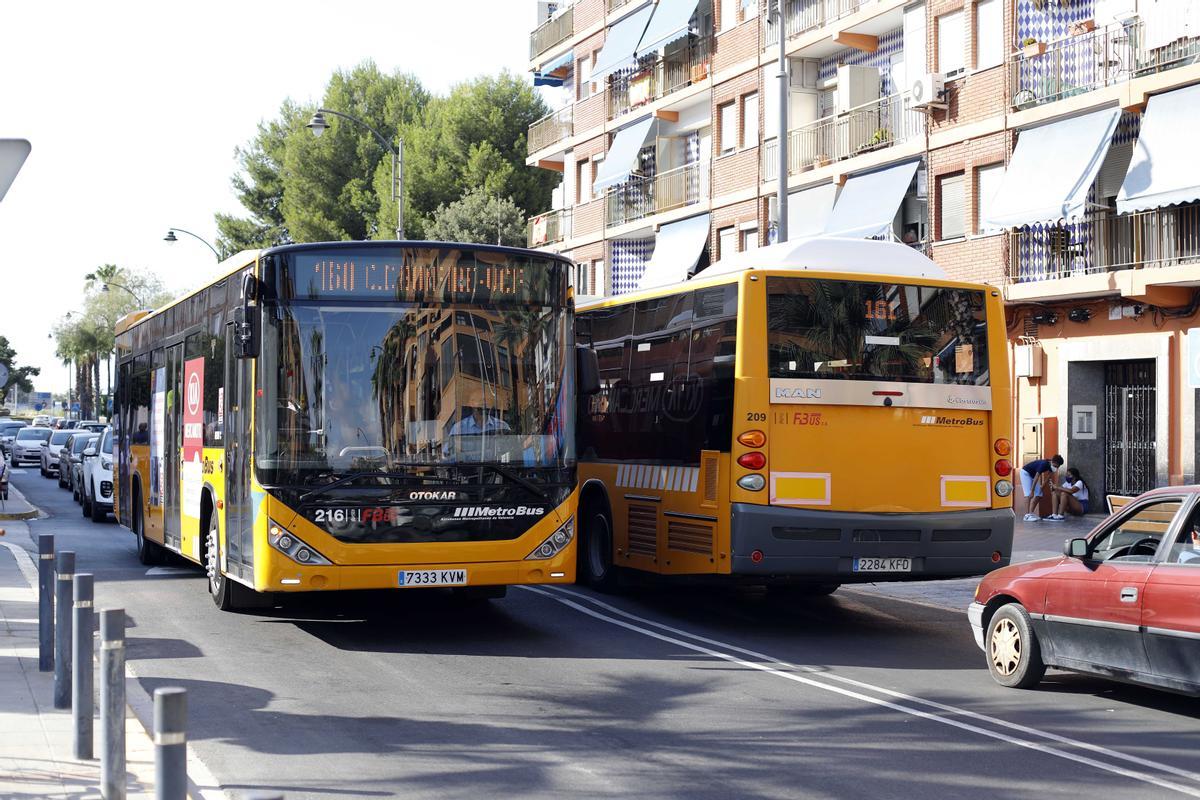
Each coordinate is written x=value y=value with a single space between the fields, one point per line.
x=245 y=331
x=587 y=371
x=1075 y=548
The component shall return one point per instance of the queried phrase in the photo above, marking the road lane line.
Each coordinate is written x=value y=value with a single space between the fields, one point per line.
x=564 y=597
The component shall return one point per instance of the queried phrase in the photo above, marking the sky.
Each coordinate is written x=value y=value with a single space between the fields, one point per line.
x=134 y=110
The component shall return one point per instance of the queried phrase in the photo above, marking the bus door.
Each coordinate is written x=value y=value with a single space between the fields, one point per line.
x=173 y=452
x=124 y=422
x=239 y=524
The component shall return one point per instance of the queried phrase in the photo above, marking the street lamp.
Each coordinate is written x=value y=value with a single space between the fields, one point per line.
x=132 y=293
x=170 y=237
x=318 y=125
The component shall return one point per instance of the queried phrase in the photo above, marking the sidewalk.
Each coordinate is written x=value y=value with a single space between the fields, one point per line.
x=35 y=738
x=16 y=506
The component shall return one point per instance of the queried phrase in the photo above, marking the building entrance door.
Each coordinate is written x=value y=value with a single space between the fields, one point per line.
x=1129 y=426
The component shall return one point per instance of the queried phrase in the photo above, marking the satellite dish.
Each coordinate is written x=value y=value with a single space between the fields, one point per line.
x=13 y=153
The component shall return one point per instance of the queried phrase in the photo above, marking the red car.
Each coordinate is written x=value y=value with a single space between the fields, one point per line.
x=1123 y=603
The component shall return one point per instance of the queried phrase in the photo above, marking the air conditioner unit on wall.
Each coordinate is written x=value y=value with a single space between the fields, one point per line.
x=926 y=90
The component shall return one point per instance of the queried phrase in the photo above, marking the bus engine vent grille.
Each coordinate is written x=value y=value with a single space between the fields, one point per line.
x=643 y=530
x=710 y=470
x=689 y=537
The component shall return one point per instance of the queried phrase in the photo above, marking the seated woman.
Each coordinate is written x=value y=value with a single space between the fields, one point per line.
x=1070 y=498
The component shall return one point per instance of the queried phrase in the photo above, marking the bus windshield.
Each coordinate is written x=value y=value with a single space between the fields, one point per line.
x=855 y=330
x=350 y=387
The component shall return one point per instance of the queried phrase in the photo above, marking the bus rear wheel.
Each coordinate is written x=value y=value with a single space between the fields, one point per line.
x=149 y=553
x=597 y=569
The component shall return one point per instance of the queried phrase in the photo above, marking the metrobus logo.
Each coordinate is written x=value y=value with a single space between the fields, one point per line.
x=497 y=512
x=933 y=419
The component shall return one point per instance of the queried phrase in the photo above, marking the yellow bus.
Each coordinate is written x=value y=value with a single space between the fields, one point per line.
x=802 y=416
x=355 y=415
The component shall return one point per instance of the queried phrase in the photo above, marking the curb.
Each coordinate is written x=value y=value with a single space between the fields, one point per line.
x=20 y=515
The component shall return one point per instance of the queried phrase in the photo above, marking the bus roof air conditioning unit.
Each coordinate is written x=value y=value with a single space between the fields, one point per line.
x=926 y=90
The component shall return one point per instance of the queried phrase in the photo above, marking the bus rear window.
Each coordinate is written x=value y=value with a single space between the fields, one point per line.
x=852 y=330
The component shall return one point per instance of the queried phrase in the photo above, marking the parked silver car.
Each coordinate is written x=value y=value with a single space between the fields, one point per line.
x=27 y=445
x=50 y=451
x=8 y=432
x=70 y=460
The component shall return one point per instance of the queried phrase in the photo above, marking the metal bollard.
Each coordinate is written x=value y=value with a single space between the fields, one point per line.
x=170 y=744
x=64 y=572
x=82 y=671
x=112 y=704
x=46 y=602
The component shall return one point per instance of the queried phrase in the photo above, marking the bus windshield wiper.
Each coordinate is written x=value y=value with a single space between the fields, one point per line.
x=505 y=472
x=353 y=477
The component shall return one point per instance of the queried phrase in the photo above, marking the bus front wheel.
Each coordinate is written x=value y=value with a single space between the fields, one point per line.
x=227 y=595
x=597 y=568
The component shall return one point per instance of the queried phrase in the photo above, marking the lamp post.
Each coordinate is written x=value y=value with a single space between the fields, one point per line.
x=170 y=237
x=318 y=125
x=132 y=293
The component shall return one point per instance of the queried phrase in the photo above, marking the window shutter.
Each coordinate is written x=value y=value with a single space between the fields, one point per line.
x=1112 y=171
x=953 y=217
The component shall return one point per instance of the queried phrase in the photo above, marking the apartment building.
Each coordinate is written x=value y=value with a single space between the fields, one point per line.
x=1037 y=145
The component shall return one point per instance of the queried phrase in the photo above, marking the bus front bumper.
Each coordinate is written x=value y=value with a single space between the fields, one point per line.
x=771 y=541
x=284 y=576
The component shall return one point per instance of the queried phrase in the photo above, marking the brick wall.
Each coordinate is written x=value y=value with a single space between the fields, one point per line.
x=590 y=113
x=981 y=259
x=588 y=13
x=729 y=215
x=589 y=252
x=732 y=91
x=963 y=157
x=588 y=218
x=735 y=172
x=591 y=147
x=586 y=49
x=971 y=98
x=737 y=45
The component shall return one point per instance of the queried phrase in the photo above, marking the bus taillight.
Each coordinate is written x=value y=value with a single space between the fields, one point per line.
x=754 y=460
x=752 y=439
x=1003 y=467
x=1003 y=447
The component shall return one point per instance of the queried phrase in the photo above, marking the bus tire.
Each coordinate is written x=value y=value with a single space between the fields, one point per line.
x=1014 y=654
x=227 y=595
x=597 y=567
x=149 y=553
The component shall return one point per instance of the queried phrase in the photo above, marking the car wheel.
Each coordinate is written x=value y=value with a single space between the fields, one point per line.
x=1014 y=653
x=595 y=553
x=61 y=483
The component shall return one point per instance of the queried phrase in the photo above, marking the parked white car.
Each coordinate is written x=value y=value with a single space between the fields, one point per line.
x=27 y=445
x=50 y=452
x=98 y=478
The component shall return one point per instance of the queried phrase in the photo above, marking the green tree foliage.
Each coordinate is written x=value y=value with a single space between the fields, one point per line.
x=298 y=187
x=479 y=217
x=17 y=376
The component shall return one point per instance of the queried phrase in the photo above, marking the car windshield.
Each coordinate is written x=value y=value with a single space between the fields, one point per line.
x=106 y=444
x=80 y=444
x=9 y=430
x=351 y=388
x=33 y=434
x=60 y=437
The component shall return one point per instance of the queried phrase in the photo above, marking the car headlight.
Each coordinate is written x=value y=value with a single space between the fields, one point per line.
x=105 y=463
x=291 y=546
x=555 y=542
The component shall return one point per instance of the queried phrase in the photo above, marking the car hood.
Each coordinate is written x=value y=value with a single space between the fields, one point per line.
x=1002 y=579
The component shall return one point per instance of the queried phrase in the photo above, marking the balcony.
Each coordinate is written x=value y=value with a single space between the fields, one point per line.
x=807 y=15
x=641 y=197
x=1046 y=72
x=627 y=91
x=549 y=228
x=613 y=5
x=551 y=129
x=873 y=126
x=553 y=31
x=1105 y=242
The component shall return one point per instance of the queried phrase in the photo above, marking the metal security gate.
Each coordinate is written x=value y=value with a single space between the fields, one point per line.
x=1129 y=427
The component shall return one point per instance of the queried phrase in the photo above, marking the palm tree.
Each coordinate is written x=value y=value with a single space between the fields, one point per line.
x=103 y=274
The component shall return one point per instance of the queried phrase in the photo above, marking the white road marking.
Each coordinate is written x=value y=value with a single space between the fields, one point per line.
x=776 y=668
x=171 y=571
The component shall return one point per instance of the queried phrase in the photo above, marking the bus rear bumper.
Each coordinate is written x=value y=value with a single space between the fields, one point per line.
x=824 y=545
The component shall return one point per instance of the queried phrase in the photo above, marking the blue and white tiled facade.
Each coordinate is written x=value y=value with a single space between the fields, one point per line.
x=628 y=258
x=891 y=48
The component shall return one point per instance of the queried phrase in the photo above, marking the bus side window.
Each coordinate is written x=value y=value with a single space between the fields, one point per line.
x=714 y=343
x=600 y=424
x=214 y=379
x=658 y=377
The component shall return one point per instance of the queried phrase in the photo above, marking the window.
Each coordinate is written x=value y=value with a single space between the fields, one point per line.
x=1136 y=536
x=727 y=119
x=727 y=242
x=950 y=47
x=1186 y=549
x=597 y=286
x=749 y=9
x=989 y=34
x=989 y=183
x=584 y=69
x=729 y=9
x=750 y=120
x=581 y=279
x=583 y=181
x=749 y=238
x=952 y=220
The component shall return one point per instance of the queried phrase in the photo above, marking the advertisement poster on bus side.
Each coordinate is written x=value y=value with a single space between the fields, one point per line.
x=193 y=435
x=158 y=437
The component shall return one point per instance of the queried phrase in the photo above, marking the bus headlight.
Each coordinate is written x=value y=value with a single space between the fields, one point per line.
x=291 y=546
x=1003 y=488
x=554 y=543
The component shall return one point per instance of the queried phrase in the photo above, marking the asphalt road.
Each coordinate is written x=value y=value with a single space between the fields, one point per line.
x=689 y=693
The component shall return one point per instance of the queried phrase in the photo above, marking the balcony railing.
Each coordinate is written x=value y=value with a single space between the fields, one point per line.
x=1045 y=72
x=806 y=15
x=629 y=89
x=548 y=228
x=551 y=32
x=551 y=128
x=641 y=196
x=1104 y=242
x=873 y=126
x=613 y=5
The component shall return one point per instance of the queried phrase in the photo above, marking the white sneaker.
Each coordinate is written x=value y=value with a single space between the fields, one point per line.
x=1056 y=518
x=1032 y=517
